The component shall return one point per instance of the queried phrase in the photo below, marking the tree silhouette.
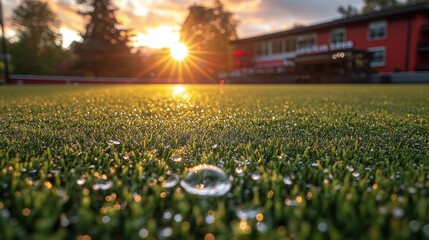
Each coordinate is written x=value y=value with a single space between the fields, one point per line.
x=38 y=47
x=347 y=11
x=104 y=50
x=207 y=32
x=377 y=5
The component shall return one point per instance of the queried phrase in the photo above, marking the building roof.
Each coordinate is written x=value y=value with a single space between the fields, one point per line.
x=424 y=7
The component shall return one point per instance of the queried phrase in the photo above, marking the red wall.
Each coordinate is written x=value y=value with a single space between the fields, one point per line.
x=418 y=37
x=401 y=43
x=398 y=42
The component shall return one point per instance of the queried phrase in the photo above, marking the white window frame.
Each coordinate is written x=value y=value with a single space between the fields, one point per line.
x=380 y=63
x=306 y=36
x=337 y=30
x=377 y=24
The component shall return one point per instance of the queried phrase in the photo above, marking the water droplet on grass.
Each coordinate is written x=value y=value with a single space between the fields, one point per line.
x=171 y=181
x=4 y=213
x=81 y=181
x=178 y=218
x=166 y=232
x=314 y=164
x=323 y=227
x=176 y=158
x=287 y=180
x=398 y=212
x=105 y=219
x=206 y=180
x=209 y=219
x=143 y=233
x=414 y=226
x=63 y=195
x=426 y=230
x=113 y=142
x=102 y=184
x=167 y=215
x=247 y=212
x=244 y=162
x=262 y=227
x=64 y=221
x=239 y=170
x=291 y=202
x=256 y=176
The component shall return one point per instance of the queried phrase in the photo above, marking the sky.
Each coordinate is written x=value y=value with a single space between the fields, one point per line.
x=156 y=23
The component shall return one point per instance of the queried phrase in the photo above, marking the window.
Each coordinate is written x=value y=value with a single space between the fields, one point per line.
x=377 y=30
x=290 y=44
x=258 y=49
x=262 y=48
x=305 y=41
x=277 y=46
x=378 y=56
x=338 y=35
x=266 y=48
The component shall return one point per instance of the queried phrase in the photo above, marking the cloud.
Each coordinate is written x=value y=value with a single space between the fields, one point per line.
x=260 y=16
x=255 y=16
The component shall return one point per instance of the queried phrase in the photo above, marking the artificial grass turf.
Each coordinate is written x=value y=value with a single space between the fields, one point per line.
x=307 y=161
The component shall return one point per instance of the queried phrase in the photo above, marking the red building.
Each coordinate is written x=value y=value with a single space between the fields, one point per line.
x=396 y=39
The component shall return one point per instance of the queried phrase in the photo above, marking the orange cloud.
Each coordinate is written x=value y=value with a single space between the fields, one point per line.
x=145 y=16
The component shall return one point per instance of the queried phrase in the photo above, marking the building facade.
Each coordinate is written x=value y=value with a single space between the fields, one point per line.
x=396 y=40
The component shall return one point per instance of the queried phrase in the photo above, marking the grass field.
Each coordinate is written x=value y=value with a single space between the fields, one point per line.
x=316 y=161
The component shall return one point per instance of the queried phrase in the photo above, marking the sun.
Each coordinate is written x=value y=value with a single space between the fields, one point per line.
x=178 y=90
x=179 y=51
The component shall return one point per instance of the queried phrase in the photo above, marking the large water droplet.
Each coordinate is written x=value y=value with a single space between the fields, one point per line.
x=206 y=180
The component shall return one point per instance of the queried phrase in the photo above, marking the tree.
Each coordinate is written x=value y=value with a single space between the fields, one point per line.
x=348 y=11
x=38 y=47
x=104 y=50
x=298 y=25
x=207 y=32
x=410 y=2
x=377 y=5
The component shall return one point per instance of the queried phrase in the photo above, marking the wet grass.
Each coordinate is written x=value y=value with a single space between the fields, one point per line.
x=338 y=162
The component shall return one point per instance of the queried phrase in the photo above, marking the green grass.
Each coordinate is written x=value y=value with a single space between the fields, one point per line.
x=335 y=161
